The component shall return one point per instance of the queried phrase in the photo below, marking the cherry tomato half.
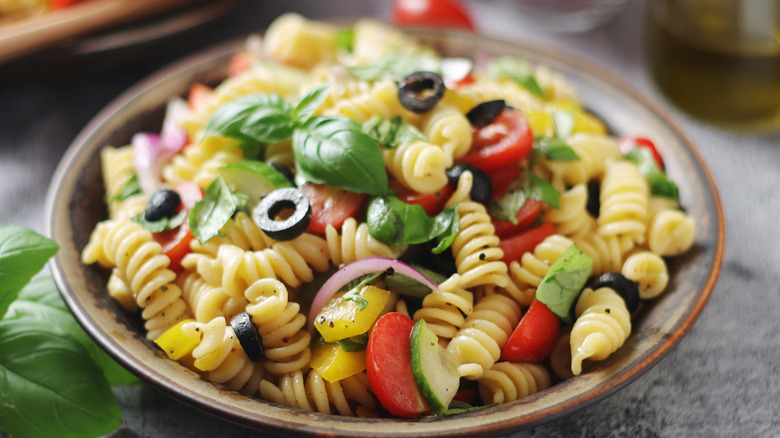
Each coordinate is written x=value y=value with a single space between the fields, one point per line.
x=176 y=242
x=628 y=143
x=431 y=13
x=534 y=337
x=504 y=142
x=239 y=63
x=198 y=95
x=502 y=178
x=432 y=203
x=526 y=216
x=331 y=205
x=514 y=247
x=389 y=366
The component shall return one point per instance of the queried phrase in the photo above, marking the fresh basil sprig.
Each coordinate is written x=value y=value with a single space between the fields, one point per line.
x=131 y=188
x=532 y=187
x=55 y=379
x=515 y=69
x=660 y=184
x=391 y=133
x=395 y=222
x=160 y=225
x=211 y=213
x=555 y=148
x=562 y=283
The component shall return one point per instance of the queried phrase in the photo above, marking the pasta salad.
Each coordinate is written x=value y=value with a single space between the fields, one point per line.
x=352 y=224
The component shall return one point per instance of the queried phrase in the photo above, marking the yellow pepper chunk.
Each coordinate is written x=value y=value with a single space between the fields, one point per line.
x=334 y=364
x=177 y=343
x=342 y=317
x=540 y=122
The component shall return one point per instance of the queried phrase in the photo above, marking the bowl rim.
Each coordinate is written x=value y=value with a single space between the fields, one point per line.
x=344 y=425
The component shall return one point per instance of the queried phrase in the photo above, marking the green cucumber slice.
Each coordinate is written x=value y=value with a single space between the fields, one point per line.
x=254 y=179
x=434 y=368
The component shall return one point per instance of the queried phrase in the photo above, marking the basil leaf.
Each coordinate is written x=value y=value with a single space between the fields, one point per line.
x=555 y=149
x=534 y=187
x=396 y=67
x=310 y=102
x=334 y=151
x=160 y=225
x=395 y=222
x=131 y=188
x=354 y=293
x=40 y=306
x=563 y=123
x=659 y=183
x=211 y=213
x=391 y=133
x=562 y=283
x=506 y=207
x=354 y=343
x=515 y=69
x=254 y=119
x=540 y=189
x=344 y=39
x=51 y=386
x=23 y=253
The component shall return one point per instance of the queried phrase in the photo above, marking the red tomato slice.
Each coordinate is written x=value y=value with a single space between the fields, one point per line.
x=514 y=247
x=331 y=205
x=452 y=85
x=431 y=13
x=502 y=178
x=389 y=366
x=628 y=143
x=176 y=242
x=239 y=63
x=504 y=142
x=534 y=337
x=432 y=203
x=526 y=216
x=198 y=95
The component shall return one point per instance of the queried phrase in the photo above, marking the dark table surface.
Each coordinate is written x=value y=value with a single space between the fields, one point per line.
x=723 y=379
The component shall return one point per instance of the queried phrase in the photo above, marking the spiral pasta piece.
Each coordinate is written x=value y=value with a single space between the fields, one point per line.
x=350 y=397
x=448 y=128
x=466 y=97
x=375 y=39
x=475 y=248
x=527 y=273
x=593 y=150
x=207 y=301
x=624 y=197
x=603 y=324
x=571 y=218
x=445 y=310
x=219 y=354
x=200 y=161
x=117 y=167
x=648 y=270
x=670 y=232
x=280 y=324
x=142 y=266
x=119 y=290
x=418 y=165
x=292 y=39
x=509 y=381
x=95 y=251
x=381 y=99
x=477 y=345
x=560 y=357
x=354 y=243
x=607 y=252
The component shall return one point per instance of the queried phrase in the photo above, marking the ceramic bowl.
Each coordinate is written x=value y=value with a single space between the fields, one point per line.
x=75 y=205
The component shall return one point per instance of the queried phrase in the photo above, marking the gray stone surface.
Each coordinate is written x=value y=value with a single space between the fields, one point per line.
x=721 y=380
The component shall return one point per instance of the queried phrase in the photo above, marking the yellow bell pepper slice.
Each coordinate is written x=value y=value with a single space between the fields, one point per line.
x=344 y=316
x=335 y=364
x=177 y=343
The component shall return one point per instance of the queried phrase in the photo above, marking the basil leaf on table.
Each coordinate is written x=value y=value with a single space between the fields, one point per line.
x=395 y=222
x=254 y=119
x=40 y=306
x=211 y=213
x=335 y=151
x=391 y=133
x=23 y=253
x=51 y=386
x=659 y=183
x=562 y=283
x=516 y=69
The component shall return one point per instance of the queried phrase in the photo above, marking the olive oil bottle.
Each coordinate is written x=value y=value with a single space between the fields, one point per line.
x=718 y=59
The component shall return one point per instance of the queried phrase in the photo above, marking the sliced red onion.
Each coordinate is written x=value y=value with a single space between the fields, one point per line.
x=369 y=265
x=151 y=151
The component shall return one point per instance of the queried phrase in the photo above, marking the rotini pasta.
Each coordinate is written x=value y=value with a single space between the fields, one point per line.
x=350 y=397
x=509 y=381
x=603 y=324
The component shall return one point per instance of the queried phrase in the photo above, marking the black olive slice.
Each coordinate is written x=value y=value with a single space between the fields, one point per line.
x=274 y=203
x=163 y=203
x=623 y=286
x=484 y=113
x=481 y=188
x=248 y=337
x=421 y=91
x=594 y=201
